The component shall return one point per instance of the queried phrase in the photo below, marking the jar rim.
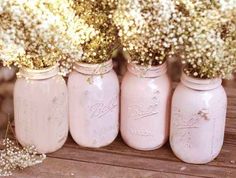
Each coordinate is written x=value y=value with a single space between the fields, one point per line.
x=39 y=74
x=93 y=69
x=200 y=84
x=147 y=71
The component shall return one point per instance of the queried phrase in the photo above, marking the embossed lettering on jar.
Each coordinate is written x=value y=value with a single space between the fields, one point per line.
x=145 y=104
x=94 y=104
x=198 y=119
x=41 y=109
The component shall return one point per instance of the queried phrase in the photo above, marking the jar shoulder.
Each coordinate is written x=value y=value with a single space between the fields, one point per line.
x=136 y=83
x=58 y=79
x=55 y=84
x=184 y=93
x=82 y=80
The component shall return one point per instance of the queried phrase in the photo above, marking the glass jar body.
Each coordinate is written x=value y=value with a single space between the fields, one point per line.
x=198 y=120
x=145 y=107
x=41 y=112
x=94 y=105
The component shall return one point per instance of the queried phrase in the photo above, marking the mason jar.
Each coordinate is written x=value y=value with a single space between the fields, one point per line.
x=198 y=119
x=41 y=109
x=94 y=104
x=145 y=106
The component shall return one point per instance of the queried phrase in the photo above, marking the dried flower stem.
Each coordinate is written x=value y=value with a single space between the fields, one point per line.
x=15 y=157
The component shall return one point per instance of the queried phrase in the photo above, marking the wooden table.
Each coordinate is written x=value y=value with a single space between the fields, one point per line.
x=120 y=161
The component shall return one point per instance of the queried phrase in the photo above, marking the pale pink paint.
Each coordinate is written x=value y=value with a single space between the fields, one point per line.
x=41 y=109
x=198 y=119
x=94 y=104
x=145 y=107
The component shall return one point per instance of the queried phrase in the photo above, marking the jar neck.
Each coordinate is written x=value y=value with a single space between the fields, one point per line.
x=93 y=69
x=200 y=84
x=147 y=72
x=40 y=74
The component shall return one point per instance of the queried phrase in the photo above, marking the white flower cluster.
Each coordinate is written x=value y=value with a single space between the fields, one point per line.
x=209 y=35
x=39 y=33
x=227 y=4
x=14 y=157
x=147 y=29
x=98 y=14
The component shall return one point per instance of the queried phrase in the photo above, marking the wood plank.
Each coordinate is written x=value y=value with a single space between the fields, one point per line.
x=231 y=113
x=230 y=83
x=144 y=163
x=231 y=123
x=227 y=155
x=230 y=131
x=230 y=92
x=59 y=168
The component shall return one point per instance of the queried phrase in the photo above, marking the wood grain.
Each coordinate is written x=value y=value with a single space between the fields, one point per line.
x=62 y=168
x=159 y=160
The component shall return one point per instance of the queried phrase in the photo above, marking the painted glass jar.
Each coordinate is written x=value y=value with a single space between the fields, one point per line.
x=41 y=109
x=94 y=104
x=145 y=106
x=198 y=119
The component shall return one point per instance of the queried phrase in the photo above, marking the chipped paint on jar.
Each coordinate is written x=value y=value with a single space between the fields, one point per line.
x=94 y=104
x=41 y=109
x=198 y=119
x=145 y=107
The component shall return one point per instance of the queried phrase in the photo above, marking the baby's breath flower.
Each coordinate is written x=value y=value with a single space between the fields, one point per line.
x=208 y=30
x=147 y=29
x=98 y=14
x=15 y=157
x=40 y=33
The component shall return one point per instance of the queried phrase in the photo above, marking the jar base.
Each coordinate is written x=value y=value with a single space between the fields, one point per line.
x=145 y=149
x=41 y=151
x=142 y=148
x=94 y=147
x=198 y=162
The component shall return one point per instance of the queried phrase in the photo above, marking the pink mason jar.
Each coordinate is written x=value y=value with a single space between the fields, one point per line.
x=198 y=119
x=41 y=109
x=145 y=106
x=94 y=104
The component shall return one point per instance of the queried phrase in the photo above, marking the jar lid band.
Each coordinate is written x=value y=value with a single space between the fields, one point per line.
x=200 y=84
x=93 y=69
x=147 y=71
x=40 y=74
